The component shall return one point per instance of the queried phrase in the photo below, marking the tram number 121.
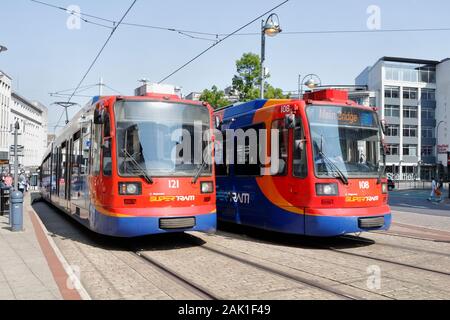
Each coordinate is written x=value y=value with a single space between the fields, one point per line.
x=174 y=184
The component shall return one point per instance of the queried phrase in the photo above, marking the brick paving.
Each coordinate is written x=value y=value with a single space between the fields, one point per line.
x=24 y=271
x=108 y=270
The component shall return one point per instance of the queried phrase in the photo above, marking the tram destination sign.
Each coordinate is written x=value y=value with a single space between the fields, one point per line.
x=346 y=116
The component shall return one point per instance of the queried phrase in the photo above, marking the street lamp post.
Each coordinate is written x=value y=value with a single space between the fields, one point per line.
x=270 y=27
x=16 y=155
x=3 y=48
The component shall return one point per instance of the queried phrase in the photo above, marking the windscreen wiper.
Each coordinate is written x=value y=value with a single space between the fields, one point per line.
x=199 y=172
x=133 y=160
x=382 y=170
x=341 y=175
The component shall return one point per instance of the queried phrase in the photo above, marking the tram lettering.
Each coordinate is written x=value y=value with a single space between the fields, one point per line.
x=362 y=199
x=243 y=198
x=171 y=198
x=364 y=185
x=202 y=311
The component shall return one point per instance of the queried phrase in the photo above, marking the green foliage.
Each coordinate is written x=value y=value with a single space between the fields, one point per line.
x=246 y=82
x=215 y=97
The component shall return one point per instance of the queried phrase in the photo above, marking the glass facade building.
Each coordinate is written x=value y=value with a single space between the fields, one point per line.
x=406 y=97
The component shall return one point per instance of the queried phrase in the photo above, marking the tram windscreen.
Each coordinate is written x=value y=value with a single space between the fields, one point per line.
x=161 y=138
x=344 y=137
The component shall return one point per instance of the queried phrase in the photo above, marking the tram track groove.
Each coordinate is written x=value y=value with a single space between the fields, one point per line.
x=197 y=289
x=349 y=253
x=329 y=248
x=303 y=280
x=410 y=236
x=283 y=274
x=385 y=261
x=384 y=244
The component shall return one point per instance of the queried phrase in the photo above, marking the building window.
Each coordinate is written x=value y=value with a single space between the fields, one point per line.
x=410 y=150
x=427 y=151
x=409 y=131
x=410 y=93
x=428 y=75
x=392 y=149
x=391 y=111
x=392 y=92
x=428 y=113
x=428 y=94
x=392 y=130
x=410 y=112
x=427 y=132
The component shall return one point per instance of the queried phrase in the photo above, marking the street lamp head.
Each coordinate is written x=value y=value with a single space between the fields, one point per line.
x=3 y=48
x=311 y=84
x=272 y=26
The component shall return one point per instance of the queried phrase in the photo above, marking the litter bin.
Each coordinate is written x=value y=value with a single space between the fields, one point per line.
x=16 y=215
x=4 y=201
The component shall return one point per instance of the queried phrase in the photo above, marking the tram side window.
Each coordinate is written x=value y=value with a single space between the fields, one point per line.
x=96 y=139
x=75 y=176
x=86 y=147
x=106 y=147
x=246 y=151
x=299 y=151
x=282 y=154
x=221 y=156
x=54 y=181
x=62 y=172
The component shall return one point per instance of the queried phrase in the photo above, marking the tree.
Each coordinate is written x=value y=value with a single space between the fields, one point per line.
x=247 y=80
x=215 y=97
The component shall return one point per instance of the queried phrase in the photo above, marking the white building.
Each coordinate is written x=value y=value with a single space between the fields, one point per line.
x=412 y=95
x=5 y=102
x=443 y=113
x=32 y=118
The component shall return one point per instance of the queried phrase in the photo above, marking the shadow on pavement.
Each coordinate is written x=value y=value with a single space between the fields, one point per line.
x=306 y=242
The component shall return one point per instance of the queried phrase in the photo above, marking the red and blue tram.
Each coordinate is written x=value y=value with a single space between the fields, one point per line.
x=325 y=176
x=115 y=168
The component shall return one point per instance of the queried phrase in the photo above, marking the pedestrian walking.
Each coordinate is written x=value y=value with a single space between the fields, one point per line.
x=2 y=182
x=8 y=180
x=22 y=183
x=439 y=190
x=433 y=190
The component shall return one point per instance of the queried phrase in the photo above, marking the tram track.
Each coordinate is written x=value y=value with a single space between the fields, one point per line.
x=205 y=293
x=194 y=288
x=373 y=242
x=289 y=276
x=385 y=260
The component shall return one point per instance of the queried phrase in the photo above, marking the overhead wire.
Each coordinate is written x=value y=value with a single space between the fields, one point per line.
x=97 y=56
x=220 y=41
x=102 y=48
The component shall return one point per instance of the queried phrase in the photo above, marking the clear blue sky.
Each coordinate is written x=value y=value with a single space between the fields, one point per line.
x=44 y=56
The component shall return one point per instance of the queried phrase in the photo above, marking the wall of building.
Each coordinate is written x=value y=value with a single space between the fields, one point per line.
x=33 y=130
x=5 y=102
x=443 y=108
x=404 y=77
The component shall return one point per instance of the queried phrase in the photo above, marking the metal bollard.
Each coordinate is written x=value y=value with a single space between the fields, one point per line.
x=16 y=212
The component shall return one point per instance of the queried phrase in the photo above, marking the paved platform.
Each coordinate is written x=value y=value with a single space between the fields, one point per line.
x=29 y=267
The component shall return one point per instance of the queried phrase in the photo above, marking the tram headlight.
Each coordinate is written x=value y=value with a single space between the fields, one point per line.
x=384 y=188
x=327 y=189
x=127 y=188
x=207 y=187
